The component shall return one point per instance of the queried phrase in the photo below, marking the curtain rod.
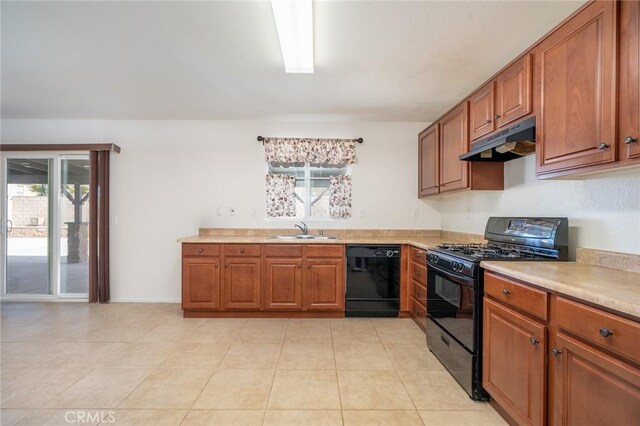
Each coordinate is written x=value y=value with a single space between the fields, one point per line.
x=261 y=139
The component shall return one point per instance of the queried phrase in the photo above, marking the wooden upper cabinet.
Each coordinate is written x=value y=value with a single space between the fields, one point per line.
x=324 y=284
x=200 y=282
x=513 y=92
x=590 y=387
x=454 y=141
x=575 y=78
x=241 y=284
x=629 y=109
x=283 y=284
x=513 y=365
x=429 y=164
x=481 y=111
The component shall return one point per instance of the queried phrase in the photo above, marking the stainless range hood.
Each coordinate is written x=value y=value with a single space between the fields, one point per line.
x=515 y=141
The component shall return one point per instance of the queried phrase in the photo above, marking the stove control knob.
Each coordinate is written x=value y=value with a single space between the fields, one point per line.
x=436 y=258
x=454 y=265
x=460 y=267
x=389 y=253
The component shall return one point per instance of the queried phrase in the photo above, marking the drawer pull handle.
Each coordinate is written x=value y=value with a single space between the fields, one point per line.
x=241 y=250
x=534 y=341
x=556 y=352
x=418 y=273
x=299 y=266
x=200 y=251
x=226 y=265
x=605 y=332
x=216 y=265
x=629 y=140
x=506 y=292
x=309 y=267
x=603 y=146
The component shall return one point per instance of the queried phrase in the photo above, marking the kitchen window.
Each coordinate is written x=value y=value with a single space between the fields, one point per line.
x=312 y=188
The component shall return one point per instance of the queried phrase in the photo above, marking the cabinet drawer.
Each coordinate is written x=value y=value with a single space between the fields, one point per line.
x=528 y=299
x=190 y=249
x=324 y=250
x=283 y=250
x=243 y=250
x=418 y=291
x=418 y=272
x=418 y=312
x=418 y=255
x=606 y=330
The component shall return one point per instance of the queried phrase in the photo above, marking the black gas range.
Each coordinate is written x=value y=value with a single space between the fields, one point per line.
x=455 y=288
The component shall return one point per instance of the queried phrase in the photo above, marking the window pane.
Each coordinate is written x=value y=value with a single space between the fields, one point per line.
x=74 y=229
x=325 y=172
x=319 y=198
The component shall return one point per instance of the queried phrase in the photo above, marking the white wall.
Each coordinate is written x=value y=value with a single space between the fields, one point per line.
x=603 y=209
x=172 y=176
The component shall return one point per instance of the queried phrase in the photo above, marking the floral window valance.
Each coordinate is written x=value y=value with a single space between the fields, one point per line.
x=315 y=151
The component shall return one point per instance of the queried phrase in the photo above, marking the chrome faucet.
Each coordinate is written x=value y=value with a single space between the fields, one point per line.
x=303 y=228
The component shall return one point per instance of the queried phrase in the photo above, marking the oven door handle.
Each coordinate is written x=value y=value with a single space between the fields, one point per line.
x=459 y=278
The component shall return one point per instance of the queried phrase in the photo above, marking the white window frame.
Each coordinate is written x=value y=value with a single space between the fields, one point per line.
x=307 y=196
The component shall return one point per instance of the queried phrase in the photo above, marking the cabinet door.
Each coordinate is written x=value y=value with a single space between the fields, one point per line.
x=241 y=284
x=591 y=388
x=513 y=92
x=324 y=284
x=629 y=108
x=481 y=111
x=429 y=166
x=513 y=365
x=200 y=283
x=283 y=284
x=454 y=141
x=576 y=69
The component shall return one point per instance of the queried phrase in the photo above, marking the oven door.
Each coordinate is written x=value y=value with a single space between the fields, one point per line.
x=451 y=304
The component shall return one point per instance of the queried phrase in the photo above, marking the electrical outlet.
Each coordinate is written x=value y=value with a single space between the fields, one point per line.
x=114 y=220
x=232 y=211
x=361 y=212
x=416 y=213
x=218 y=211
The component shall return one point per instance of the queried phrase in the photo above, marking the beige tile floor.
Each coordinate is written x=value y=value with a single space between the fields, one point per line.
x=143 y=364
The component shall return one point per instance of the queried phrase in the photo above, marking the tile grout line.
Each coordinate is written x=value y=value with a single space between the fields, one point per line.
x=335 y=364
x=264 y=415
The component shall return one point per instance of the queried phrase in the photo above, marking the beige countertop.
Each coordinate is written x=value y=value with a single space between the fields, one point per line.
x=610 y=288
x=420 y=242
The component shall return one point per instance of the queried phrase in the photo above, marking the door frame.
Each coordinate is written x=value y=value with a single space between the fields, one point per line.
x=54 y=228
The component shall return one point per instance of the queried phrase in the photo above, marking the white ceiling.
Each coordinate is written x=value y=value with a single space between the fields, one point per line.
x=390 y=60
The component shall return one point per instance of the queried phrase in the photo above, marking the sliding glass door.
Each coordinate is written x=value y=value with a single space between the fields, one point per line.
x=45 y=238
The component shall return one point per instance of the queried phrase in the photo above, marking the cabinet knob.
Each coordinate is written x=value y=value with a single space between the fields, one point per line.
x=488 y=120
x=299 y=266
x=534 y=341
x=506 y=292
x=606 y=332
x=603 y=146
x=200 y=251
x=215 y=265
x=241 y=250
x=556 y=352
x=629 y=140
x=418 y=273
x=309 y=267
x=498 y=116
x=226 y=265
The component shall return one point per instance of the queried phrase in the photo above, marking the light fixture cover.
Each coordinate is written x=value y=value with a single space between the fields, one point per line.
x=294 y=22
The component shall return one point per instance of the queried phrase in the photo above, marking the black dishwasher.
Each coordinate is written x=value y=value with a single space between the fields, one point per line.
x=373 y=280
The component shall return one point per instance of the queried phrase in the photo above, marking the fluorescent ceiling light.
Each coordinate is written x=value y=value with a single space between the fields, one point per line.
x=294 y=21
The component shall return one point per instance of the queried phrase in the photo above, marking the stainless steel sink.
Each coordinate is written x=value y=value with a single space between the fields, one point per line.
x=303 y=237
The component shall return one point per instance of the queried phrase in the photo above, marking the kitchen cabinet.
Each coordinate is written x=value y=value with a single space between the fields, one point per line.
x=629 y=93
x=441 y=170
x=548 y=359
x=591 y=387
x=481 y=111
x=200 y=282
x=502 y=101
x=283 y=284
x=241 y=283
x=454 y=141
x=324 y=284
x=514 y=92
x=417 y=286
x=429 y=158
x=513 y=369
x=576 y=82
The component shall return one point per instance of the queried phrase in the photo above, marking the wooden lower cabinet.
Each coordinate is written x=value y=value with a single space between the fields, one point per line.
x=591 y=387
x=200 y=283
x=513 y=369
x=241 y=286
x=282 y=284
x=324 y=284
